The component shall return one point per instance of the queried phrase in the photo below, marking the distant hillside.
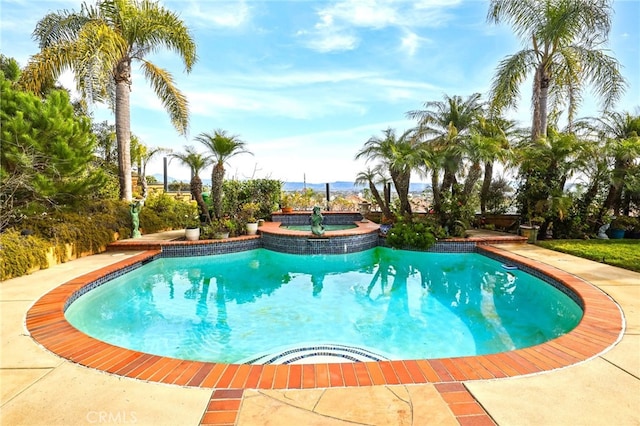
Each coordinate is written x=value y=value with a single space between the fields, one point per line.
x=342 y=186
x=338 y=186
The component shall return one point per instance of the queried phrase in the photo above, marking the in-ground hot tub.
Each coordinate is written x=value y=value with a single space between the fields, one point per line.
x=277 y=237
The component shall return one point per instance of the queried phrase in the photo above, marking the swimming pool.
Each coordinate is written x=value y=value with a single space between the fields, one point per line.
x=396 y=304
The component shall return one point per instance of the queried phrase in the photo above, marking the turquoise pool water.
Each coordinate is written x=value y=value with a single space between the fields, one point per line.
x=326 y=227
x=400 y=304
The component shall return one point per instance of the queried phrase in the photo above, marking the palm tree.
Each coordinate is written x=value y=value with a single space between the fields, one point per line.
x=445 y=126
x=563 y=53
x=547 y=164
x=371 y=177
x=141 y=155
x=222 y=146
x=489 y=143
x=400 y=156
x=621 y=131
x=98 y=44
x=196 y=162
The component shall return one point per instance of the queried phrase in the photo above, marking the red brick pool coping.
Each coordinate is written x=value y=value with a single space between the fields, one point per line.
x=599 y=329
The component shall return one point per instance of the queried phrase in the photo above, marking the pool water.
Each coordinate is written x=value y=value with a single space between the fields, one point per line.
x=400 y=304
x=326 y=227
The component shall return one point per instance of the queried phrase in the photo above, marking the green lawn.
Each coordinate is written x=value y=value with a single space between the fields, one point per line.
x=623 y=253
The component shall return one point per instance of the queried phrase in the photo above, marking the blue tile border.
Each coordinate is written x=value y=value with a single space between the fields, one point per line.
x=105 y=279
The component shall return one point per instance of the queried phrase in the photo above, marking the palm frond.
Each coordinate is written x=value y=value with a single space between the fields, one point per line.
x=511 y=73
x=173 y=100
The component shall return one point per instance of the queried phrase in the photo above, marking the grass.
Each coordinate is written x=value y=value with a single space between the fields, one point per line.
x=622 y=253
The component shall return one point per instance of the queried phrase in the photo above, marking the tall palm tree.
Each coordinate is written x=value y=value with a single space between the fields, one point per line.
x=400 y=156
x=563 y=39
x=196 y=161
x=222 y=146
x=99 y=44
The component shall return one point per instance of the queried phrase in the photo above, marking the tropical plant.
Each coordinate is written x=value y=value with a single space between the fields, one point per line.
x=545 y=167
x=222 y=147
x=563 y=40
x=399 y=155
x=141 y=155
x=445 y=127
x=489 y=143
x=99 y=44
x=415 y=232
x=196 y=162
x=372 y=177
x=621 y=133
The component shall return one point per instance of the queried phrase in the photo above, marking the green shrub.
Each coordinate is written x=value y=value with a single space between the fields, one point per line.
x=264 y=192
x=21 y=253
x=163 y=211
x=413 y=233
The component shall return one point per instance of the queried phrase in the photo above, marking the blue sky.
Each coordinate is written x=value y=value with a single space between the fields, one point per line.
x=306 y=83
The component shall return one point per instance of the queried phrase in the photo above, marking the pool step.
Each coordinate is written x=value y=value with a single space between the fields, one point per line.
x=317 y=354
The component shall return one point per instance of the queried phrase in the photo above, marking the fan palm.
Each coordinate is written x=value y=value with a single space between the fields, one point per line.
x=222 y=146
x=99 y=44
x=563 y=39
x=196 y=161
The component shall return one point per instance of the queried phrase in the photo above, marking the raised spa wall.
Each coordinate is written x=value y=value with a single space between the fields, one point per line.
x=275 y=238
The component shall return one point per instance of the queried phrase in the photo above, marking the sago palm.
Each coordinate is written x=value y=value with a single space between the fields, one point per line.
x=563 y=40
x=196 y=162
x=99 y=44
x=221 y=146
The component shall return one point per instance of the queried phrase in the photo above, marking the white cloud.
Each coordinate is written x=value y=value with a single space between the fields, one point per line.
x=410 y=43
x=338 y=24
x=333 y=42
x=225 y=14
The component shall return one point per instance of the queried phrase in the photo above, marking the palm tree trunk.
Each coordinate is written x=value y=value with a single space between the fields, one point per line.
x=486 y=185
x=123 y=127
x=401 y=182
x=383 y=205
x=437 y=194
x=540 y=100
x=217 y=177
x=196 y=192
x=143 y=180
x=470 y=182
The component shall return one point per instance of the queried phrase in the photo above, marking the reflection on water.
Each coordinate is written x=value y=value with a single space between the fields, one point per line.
x=403 y=304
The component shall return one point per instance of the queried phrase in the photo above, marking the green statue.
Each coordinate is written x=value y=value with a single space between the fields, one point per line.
x=134 y=209
x=316 y=222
